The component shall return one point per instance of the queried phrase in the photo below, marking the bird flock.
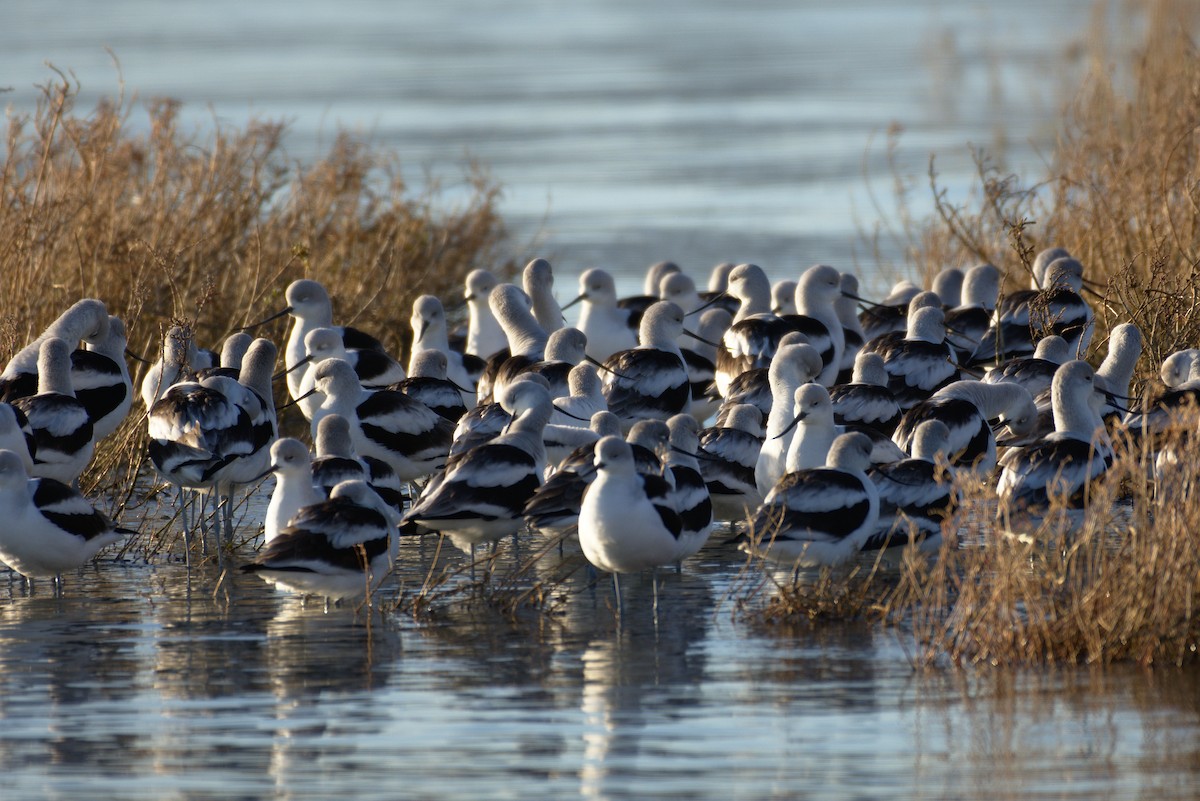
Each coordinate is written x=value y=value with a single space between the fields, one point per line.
x=819 y=424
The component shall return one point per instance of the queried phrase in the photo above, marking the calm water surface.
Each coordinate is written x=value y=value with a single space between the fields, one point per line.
x=623 y=133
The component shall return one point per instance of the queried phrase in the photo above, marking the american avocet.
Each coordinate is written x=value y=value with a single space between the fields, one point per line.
x=755 y=334
x=967 y=323
x=336 y=548
x=783 y=297
x=62 y=429
x=1170 y=409
x=229 y=363
x=700 y=357
x=792 y=367
x=690 y=497
x=718 y=283
x=650 y=381
x=817 y=291
x=292 y=465
x=336 y=461
x=846 y=307
x=754 y=386
x=1042 y=262
x=866 y=400
x=812 y=429
x=884 y=343
x=1035 y=372
x=1177 y=367
x=310 y=307
x=922 y=363
x=482 y=493
x=585 y=398
x=258 y=400
x=889 y=315
x=1067 y=461
x=729 y=454
x=637 y=305
x=1057 y=309
x=948 y=285
x=16 y=435
x=484 y=335
x=178 y=362
x=430 y=333
x=87 y=319
x=46 y=526
x=526 y=340
x=538 y=282
x=916 y=495
x=1115 y=373
x=375 y=369
x=403 y=432
x=428 y=384
x=605 y=324
x=966 y=407
x=565 y=348
x=626 y=525
x=821 y=516
x=100 y=378
x=554 y=507
x=680 y=289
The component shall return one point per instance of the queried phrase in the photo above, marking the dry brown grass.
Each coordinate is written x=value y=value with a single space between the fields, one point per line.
x=165 y=224
x=1122 y=188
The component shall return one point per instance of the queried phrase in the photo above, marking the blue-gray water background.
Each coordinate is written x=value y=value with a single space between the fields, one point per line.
x=623 y=133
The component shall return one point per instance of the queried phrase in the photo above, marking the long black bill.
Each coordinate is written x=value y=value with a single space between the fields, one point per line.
x=577 y=300
x=699 y=338
x=572 y=416
x=864 y=301
x=715 y=299
x=295 y=366
x=604 y=367
x=791 y=425
x=136 y=358
x=312 y=391
x=272 y=318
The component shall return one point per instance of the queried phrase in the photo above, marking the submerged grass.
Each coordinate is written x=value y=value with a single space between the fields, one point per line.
x=169 y=225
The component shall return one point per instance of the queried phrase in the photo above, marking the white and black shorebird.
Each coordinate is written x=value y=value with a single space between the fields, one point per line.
x=783 y=297
x=253 y=393
x=885 y=342
x=1035 y=372
x=817 y=293
x=390 y=426
x=650 y=381
x=375 y=369
x=889 y=315
x=866 y=400
x=585 y=397
x=538 y=282
x=1115 y=373
x=1056 y=309
x=626 y=523
x=1066 y=463
x=292 y=465
x=63 y=434
x=229 y=363
x=484 y=335
x=336 y=461
x=338 y=548
x=700 y=357
x=729 y=454
x=565 y=348
x=309 y=305
x=428 y=384
x=690 y=497
x=100 y=378
x=1176 y=368
x=16 y=435
x=967 y=408
x=846 y=307
x=527 y=341
x=46 y=526
x=755 y=334
x=430 y=333
x=822 y=516
x=680 y=289
x=86 y=320
x=636 y=305
x=922 y=363
x=179 y=361
x=554 y=507
x=603 y=322
x=967 y=323
x=948 y=285
x=916 y=495
x=791 y=368
x=755 y=387
x=481 y=495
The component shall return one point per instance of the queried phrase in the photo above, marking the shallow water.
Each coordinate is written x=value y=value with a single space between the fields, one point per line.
x=623 y=134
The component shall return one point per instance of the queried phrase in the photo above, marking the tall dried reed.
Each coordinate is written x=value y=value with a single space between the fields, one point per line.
x=210 y=226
